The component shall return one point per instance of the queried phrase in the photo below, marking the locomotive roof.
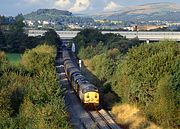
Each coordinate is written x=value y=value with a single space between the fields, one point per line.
x=86 y=86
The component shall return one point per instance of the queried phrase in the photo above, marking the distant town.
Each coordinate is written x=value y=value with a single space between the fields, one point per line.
x=148 y=17
x=97 y=24
x=105 y=25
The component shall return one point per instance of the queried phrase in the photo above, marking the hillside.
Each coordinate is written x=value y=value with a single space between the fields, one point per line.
x=154 y=11
x=58 y=16
x=46 y=14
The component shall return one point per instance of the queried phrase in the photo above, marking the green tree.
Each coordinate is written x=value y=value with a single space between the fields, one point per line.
x=88 y=37
x=19 y=22
x=2 y=40
x=51 y=37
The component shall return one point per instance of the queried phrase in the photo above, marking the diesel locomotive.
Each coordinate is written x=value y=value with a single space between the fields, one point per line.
x=87 y=92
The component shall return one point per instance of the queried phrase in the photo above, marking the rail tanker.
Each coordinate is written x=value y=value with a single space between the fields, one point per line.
x=87 y=92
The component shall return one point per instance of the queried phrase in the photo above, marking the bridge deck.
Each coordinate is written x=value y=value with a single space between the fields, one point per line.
x=151 y=36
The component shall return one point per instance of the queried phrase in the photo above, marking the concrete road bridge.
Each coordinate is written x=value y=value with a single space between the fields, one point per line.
x=142 y=35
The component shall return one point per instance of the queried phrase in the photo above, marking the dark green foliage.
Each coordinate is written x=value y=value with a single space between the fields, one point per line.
x=120 y=42
x=15 y=40
x=2 y=20
x=6 y=20
x=92 y=37
x=51 y=37
x=2 y=39
x=88 y=37
x=19 y=22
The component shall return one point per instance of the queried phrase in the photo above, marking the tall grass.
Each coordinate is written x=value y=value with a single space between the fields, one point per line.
x=129 y=116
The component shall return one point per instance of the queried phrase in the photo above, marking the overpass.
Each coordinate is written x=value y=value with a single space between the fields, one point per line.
x=142 y=35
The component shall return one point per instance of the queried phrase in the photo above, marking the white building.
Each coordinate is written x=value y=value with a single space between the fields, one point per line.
x=29 y=22
x=45 y=23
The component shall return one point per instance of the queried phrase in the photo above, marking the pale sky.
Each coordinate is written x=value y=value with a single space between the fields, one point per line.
x=13 y=7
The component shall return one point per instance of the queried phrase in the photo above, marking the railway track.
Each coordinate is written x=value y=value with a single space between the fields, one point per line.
x=103 y=120
x=80 y=118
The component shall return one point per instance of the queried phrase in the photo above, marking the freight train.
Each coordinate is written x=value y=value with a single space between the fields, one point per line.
x=86 y=91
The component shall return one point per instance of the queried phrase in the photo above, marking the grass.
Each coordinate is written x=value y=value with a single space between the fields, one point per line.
x=14 y=58
x=130 y=117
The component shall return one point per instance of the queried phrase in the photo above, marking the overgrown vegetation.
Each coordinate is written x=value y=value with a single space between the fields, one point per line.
x=146 y=75
x=29 y=94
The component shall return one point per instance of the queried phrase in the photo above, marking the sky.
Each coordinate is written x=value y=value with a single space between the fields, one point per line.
x=14 y=7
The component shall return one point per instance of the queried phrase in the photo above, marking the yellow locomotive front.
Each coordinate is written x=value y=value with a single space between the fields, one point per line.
x=91 y=98
x=89 y=95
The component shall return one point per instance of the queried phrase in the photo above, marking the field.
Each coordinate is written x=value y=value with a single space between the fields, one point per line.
x=14 y=58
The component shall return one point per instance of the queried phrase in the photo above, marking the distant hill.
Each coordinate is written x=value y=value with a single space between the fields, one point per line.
x=154 y=11
x=46 y=14
x=60 y=17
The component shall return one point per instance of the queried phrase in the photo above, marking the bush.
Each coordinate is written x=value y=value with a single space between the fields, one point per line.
x=104 y=64
x=90 y=51
x=39 y=58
